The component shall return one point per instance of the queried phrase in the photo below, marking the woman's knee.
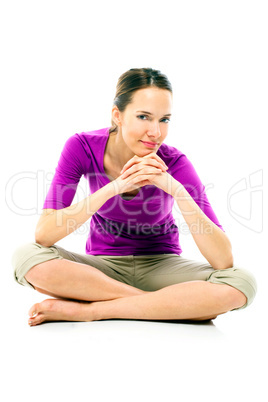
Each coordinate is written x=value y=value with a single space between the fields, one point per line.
x=26 y=257
x=243 y=285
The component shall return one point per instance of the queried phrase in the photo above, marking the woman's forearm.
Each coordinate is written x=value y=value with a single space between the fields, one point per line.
x=57 y=224
x=212 y=242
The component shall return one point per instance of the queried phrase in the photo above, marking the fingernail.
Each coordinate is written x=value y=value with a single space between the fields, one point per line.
x=34 y=314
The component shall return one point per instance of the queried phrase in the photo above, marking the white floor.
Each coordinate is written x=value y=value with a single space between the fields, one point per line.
x=61 y=64
x=128 y=360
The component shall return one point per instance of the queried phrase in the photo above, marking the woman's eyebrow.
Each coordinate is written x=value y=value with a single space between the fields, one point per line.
x=143 y=111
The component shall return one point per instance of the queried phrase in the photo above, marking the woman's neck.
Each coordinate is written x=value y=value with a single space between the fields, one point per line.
x=117 y=151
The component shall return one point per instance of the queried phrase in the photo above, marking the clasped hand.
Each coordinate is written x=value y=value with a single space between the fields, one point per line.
x=142 y=171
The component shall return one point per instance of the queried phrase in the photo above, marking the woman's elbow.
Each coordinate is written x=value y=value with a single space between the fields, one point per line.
x=41 y=239
x=224 y=263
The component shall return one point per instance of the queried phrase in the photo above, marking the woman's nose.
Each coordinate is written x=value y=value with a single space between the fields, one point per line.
x=154 y=130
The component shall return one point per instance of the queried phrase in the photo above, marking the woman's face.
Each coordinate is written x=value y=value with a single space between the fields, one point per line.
x=144 y=123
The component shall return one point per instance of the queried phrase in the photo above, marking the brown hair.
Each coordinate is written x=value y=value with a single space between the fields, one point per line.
x=133 y=80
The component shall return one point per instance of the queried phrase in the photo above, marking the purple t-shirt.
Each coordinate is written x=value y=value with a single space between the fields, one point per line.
x=142 y=225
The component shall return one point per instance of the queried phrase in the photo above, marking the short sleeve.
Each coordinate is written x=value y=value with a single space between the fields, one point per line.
x=184 y=172
x=71 y=166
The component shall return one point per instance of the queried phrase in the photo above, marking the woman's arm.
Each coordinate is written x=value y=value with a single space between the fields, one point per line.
x=212 y=242
x=54 y=225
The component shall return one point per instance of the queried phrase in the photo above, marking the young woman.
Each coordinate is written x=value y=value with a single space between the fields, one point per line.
x=132 y=268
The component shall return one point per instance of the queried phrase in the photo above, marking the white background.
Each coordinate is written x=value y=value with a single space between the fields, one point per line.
x=60 y=64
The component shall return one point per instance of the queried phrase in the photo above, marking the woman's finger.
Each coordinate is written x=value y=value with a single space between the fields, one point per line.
x=145 y=176
x=153 y=159
x=156 y=162
x=156 y=157
x=139 y=167
x=145 y=171
x=135 y=159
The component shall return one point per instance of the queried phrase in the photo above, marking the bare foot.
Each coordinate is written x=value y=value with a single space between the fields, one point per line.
x=60 y=310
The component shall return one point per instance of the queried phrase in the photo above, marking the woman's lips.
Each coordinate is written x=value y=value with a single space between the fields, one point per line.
x=150 y=144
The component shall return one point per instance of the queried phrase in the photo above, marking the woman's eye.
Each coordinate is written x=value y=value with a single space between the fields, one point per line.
x=166 y=120
x=142 y=117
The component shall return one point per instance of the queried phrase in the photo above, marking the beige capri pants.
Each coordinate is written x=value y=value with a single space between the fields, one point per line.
x=145 y=272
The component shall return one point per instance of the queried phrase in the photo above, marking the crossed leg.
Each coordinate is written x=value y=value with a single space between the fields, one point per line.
x=86 y=294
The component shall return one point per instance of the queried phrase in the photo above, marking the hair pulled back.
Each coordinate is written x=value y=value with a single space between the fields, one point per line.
x=133 y=80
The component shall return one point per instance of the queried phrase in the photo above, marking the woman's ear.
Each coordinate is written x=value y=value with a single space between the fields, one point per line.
x=116 y=115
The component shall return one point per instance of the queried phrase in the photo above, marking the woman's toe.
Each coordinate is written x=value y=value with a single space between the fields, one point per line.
x=34 y=310
x=38 y=319
x=38 y=312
